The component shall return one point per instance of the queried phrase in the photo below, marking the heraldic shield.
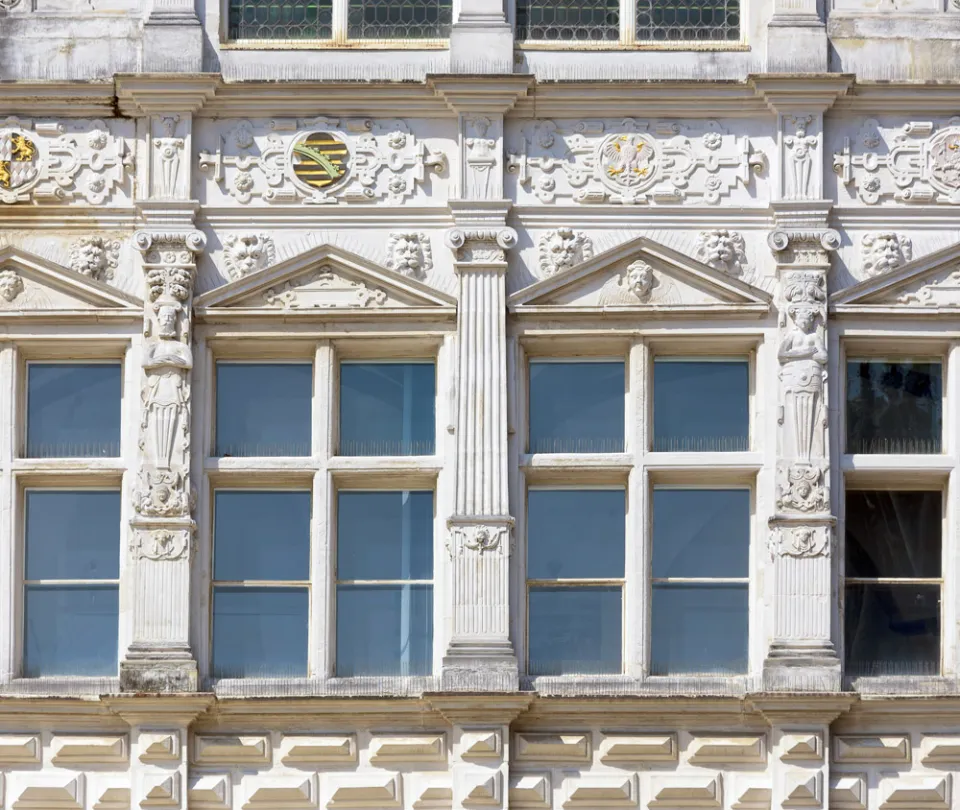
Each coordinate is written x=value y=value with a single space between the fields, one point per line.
x=19 y=160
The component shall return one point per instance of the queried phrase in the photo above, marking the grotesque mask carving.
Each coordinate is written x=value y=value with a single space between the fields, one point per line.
x=561 y=249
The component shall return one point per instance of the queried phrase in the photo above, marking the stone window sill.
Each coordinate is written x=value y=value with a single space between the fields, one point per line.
x=64 y=686
x=387 y=686
x=624 y=685
x=903 y=685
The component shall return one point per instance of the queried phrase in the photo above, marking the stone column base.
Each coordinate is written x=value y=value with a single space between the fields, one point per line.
x=158 y=669
x=801 y=669
x=481 y=47
x=478 y=667
x=797 y=44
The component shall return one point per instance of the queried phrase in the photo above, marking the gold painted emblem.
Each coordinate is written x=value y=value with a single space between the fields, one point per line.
x=18 y=159
x=320 y=159
x=627 y=161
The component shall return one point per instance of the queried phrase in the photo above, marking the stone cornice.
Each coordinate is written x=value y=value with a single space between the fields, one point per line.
x=175 y=710
x=481 y=94
x=802 y=709
x=66 y=99
x=485 y=709
x=152 y=93
x=814 y=92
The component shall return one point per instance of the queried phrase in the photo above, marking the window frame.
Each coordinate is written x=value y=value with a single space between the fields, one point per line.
x=628 y=37
x=78 y=473
x=897 y=472
x=638 y=470
x=324 y=474
x=339 y=35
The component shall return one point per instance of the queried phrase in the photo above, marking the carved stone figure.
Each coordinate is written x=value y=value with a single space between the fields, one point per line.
x=638 y=284
x=723 y=250
x=11 y=285
x=165 y=413
x=409 y=253
x=481 y=157
x=95 y=256
x=162 y=494
x=885 y=251
x=247 y=253
x=799 y=150
x=803 y=356
x=561 y=249
x=168 y=149
x=802 y=488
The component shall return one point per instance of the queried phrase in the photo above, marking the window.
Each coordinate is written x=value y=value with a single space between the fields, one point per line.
x=73 y=410
x=71 y=582
x=340 y=20
x=575 y=577
x=384 y=583
x=261 y=587
x=893 y=582
x=263 y=409
x=586 y=21
x=633 y=565
x=576 y=407
x=387 y=409
x=700 y=405
x=701 y=543
x=894 y=406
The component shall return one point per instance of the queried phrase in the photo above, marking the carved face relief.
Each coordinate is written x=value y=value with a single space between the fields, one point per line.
x=561 y=249
x=409 y=254
x=640 y=279
x=723 y=250
x=11 y=285
x=805 y=317
x=246 y=254
x=167 y=321
x=94 y=256
x=884 y=252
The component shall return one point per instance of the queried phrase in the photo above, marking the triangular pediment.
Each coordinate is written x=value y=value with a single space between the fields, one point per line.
x=325 y=278
x=641 y=275
x=928 y=284
x=31 y=284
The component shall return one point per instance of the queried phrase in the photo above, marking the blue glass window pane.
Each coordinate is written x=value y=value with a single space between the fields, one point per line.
x=575 y=631
x=261 y=535
x=72 y=535
x=576 y=407
x=701 y=406
x=73 y=410
x=260 y=632
x=894 y=407
x=70 y=630
x=387 y=409
x=892 y=629
x=701 y=533
x=385 y=535
x=263 y=409
x=576 y=533
x=700 y=629
x=384 y=630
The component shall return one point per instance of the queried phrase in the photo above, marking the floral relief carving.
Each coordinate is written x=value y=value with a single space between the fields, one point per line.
x=561 y=249
x=95 y=257
x=480 y=539
x=631 y=161
x=323 y=290
x=723 y=250
x=63 y=162
x=884 y=252
x=384 y=161
x=638 y=284
x=244 y=254
x=409 y=253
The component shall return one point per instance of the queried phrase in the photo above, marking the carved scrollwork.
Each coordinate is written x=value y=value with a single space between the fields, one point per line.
x=376 y=161
x=631 y=161
x=60 y=163
x=163 y=544
x=479 y=539
x=802 y=488
x=801 y=541
x=480 y=245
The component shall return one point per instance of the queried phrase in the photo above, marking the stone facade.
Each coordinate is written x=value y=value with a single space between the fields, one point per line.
x=791 y=197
